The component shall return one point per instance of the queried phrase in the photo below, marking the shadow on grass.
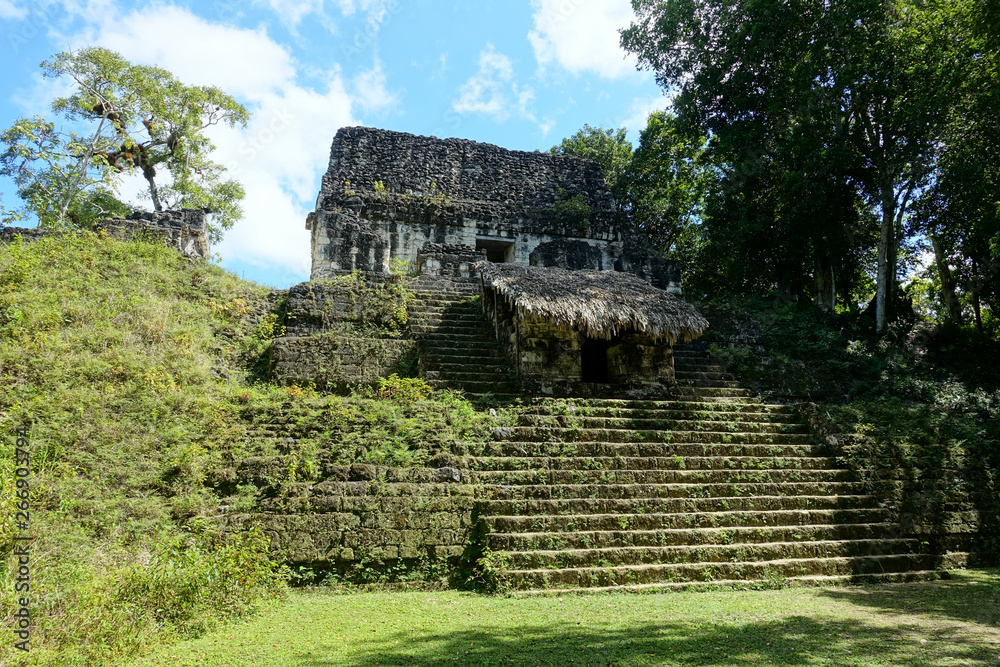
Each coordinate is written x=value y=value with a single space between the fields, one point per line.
x=793 y=641
x=972 y=597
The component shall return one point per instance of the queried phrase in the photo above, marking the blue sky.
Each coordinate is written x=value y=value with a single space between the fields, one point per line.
x=521 y=75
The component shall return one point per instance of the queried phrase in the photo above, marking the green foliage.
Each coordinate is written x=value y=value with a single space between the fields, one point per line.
x=920 y=405
x=666 y=183
x=826 y=121
x=121 y=118
x=608 y=147
x=574 y=211
x=489 y=573
x=405 y=390
x=139 y=372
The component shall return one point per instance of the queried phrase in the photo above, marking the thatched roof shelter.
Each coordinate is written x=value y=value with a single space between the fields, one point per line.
x=601 y=304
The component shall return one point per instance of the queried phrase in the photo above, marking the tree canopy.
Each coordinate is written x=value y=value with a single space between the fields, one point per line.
x=829 y=121
x=121 y=119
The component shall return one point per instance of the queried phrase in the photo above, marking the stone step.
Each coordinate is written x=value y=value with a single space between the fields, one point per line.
x=474 y=334
x=474 y=374
x=708 y=553
x=454 y=320
x=669 y=498
x=564 y=495
x=708 y=365
x=494 y=399
x=444 y=330
x=732 y=464
x=674 y=410
x=462 y=348
x=701 y=375
x=497 y=386
x=542 y=434
x=736 y=425
x=451 y=366
x=728 y=392
x=841 y=566
x=708 y=383
x=644 y=449
x=604 y=539
x=461 y=362
x=642 y=404
x=714 y=513
x=702 y=478
x=743 y=584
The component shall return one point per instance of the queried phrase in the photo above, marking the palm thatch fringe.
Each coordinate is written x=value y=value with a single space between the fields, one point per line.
x=601 y=304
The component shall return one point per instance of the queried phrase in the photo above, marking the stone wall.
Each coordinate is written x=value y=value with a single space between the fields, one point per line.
x=448 y=261
x=387 y=195
x=364 y=513
x=335 y=362
x=342 y=332
x=184 y=230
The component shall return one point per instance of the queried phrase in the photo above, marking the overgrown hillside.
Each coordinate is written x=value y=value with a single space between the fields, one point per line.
x=139 y=373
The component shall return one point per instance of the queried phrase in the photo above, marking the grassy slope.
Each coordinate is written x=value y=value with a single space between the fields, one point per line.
x=955 y=622
x=136 y=368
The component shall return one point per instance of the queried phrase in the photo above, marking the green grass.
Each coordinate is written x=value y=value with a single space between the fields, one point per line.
x=954 y=622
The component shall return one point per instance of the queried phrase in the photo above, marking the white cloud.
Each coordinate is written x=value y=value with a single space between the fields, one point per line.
x=639 y=111
x=494 y=91
x=370 y=91
x=8 y=10
x=280 y=157
x=486 y=91
x=291 y=12
x=582 y=35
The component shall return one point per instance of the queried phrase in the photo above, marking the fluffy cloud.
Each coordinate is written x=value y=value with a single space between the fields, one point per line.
x=292 y=12
x=370 y=90
x=582 y=35
x=493 y=91
x=8 y=10
x=640 y=110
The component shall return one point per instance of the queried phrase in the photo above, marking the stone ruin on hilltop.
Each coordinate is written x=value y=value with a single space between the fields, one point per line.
x=445 y=211
x=427 y=203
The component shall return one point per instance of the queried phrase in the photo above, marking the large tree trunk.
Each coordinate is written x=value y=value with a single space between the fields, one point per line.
x=154 y=194
x=826 y=283
x=947 y=282
x=885 y=277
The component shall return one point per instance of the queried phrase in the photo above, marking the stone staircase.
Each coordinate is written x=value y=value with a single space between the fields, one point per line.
x=458 y=348
x=708 y=487
x=599 y=494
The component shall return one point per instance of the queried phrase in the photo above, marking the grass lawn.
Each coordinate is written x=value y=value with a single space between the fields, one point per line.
x=951 y=622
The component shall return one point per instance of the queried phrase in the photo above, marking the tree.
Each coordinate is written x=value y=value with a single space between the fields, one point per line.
x=122 y=119
x=665 y=184
x=776 y=83
x=609 y=148
x=660 y=185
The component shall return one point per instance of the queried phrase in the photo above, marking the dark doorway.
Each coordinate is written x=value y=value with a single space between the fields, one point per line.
x=594 y=360
x=498 y=251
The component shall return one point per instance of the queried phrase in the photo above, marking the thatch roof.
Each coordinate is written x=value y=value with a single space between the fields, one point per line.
x=601 y=304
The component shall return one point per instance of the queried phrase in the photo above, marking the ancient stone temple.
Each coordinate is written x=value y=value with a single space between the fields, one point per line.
x=397 y=201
